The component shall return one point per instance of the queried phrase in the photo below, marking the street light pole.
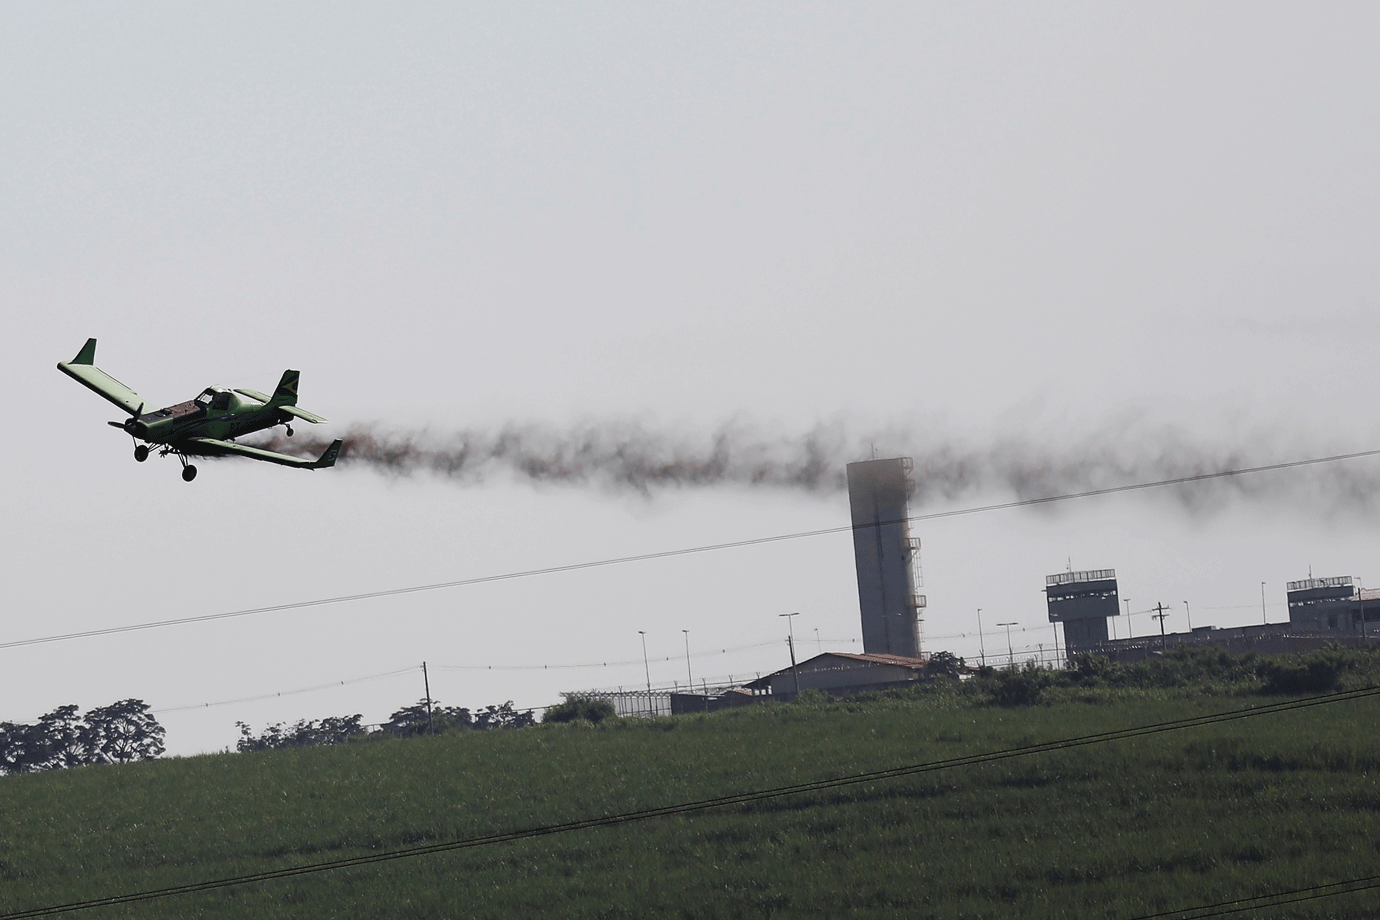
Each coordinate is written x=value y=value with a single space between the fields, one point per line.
x=1188 y=613
x=1264 y=617
x=982 y=649
x=689 y=678
x=1009 y=650
x=790 y=642
x=1128 y=617
x=647 y=669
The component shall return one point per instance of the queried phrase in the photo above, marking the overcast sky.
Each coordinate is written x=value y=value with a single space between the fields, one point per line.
x=1038 y=246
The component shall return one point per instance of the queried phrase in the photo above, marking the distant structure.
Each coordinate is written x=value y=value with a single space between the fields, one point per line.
x=841 y=672
x=1322 y=612
x=886 y=556
x=1333 y=605
x=1082 y=601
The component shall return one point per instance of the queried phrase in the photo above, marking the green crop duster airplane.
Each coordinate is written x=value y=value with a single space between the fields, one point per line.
x=206 y=426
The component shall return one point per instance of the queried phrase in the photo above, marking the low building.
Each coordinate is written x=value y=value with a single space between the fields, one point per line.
x=842 y=672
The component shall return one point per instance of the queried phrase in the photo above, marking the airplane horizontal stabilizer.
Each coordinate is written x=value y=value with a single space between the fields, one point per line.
x=83 y=370
x=303 y=414
x=214 y=447
x=327 y=458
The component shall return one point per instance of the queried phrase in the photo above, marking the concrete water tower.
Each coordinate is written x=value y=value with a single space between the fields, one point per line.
x=886 y=556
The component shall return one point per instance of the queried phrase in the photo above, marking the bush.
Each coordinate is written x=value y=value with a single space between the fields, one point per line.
x=1021 y=687
x=1319 y=674
x=579 y=709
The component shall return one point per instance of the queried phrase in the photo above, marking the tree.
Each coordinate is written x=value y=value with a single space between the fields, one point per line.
x=503 y=716
x=330 y=730
x=122 y=732
x=21 y=748
x=118 y=733
x=414 y=720
x=944 y=664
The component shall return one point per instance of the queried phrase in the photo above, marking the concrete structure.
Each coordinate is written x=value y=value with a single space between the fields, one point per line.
x=1266 y=639
x=886 y=556
x=842 y=672
x=1336 y=605
x=1082 y=601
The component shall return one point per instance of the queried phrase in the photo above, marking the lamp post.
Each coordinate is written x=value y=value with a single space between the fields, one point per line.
x=790 y=642
x=1264 y=617
x=1128 y=617
x=1009 y=650
x=1188 y=613
x=982 y=649
x=689 y=678
x=647 y=669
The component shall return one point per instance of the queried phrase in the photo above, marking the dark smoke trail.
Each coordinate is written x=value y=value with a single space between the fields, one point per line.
x=628 y=457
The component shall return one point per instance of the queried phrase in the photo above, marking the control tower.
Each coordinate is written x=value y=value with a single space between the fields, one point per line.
x=886 y=556
x=1082 y=601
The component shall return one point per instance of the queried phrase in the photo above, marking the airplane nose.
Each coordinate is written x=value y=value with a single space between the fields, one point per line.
x=138 y=429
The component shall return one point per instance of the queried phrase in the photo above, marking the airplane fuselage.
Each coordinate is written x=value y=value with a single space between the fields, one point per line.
x=216 y=413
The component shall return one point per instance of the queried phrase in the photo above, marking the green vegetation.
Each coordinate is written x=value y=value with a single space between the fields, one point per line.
x=1113 y=830
x=421 y=718
x=119 y=733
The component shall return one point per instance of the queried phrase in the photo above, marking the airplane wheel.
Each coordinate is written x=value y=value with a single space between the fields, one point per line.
x=141 y=453
x=289 y=431
x=188 y=473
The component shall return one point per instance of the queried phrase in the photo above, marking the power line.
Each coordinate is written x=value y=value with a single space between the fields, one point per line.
x=686 y=551
x=270 y=696
x=727 y=800
x=607 y=664
x=1274 y=899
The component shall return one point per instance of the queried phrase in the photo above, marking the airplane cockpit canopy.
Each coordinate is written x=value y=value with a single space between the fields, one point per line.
x=213 y=399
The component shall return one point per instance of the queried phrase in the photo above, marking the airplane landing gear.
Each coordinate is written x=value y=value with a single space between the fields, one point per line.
x=141 y=452
x=289 y=431
x=188 y=473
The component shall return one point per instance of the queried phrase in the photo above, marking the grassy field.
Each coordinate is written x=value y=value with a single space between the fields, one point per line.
x=1122 y=829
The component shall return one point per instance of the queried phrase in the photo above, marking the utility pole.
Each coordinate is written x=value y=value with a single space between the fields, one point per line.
x=426 y=682
x=1264 y=617
x=647 y=669
x=1128 y=617
x=982 y=649
x=1009 y=650
x=1160 y=615
x=1055 y=627
x=790 y=643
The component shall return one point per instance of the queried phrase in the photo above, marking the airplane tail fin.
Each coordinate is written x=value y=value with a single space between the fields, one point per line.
x=87 y=355
x=327 y=459
x=286 y=394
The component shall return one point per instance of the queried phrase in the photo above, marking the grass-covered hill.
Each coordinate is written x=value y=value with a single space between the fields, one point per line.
x=1151 y=825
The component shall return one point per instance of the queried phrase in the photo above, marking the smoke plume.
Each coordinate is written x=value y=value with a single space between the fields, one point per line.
x=632 y=458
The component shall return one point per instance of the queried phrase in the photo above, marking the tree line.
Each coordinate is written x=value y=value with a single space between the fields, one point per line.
x=119 y=733
x=410 y=721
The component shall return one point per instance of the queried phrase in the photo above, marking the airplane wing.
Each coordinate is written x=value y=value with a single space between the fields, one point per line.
x=83 y=369
x=303 y=414
x=215 y=447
